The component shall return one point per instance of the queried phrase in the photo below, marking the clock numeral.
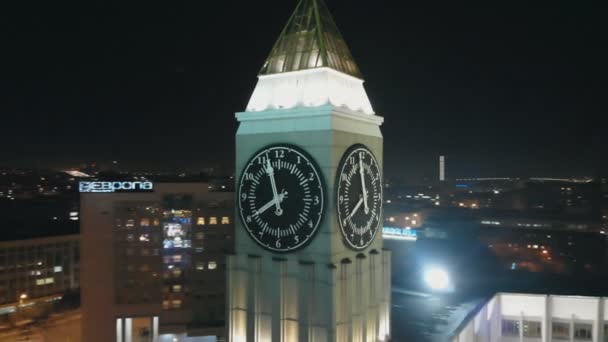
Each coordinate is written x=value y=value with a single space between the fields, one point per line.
x=243 y=197
x=248 y=219
x=341 y=199
x=261 y=233
x=361 y=242
x=297 y=239
x=310 y=224
x=299 y=159
x=278 y=243
x=316 y=201
x=279 y=154
x=362 y=155
x=261 y=160
x=351 y=160
x=311 y=177
x=344 y=178
x=249 y=176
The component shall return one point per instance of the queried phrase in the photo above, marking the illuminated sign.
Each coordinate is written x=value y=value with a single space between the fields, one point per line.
x=399 y=234
x=116 y=187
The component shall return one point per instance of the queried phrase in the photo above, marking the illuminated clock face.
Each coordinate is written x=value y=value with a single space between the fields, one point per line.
x=281 y=199
x=359 y=196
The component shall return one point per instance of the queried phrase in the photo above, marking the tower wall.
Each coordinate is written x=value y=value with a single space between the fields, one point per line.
x=325 y=291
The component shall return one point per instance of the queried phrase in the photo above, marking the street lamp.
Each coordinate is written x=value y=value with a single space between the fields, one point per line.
x=437 y=279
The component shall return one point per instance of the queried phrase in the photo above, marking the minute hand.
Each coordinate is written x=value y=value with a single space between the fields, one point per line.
x=363 y=186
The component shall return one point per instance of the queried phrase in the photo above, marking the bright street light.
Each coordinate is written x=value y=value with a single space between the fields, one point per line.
x=437 y=279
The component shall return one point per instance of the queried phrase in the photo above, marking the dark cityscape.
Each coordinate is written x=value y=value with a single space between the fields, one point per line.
x=306 y=170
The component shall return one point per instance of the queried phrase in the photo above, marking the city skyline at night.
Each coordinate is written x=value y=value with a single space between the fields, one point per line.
x=500 y=90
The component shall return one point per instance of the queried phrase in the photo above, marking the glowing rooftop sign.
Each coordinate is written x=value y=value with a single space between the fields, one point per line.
x=105 y=187
x=393 y=233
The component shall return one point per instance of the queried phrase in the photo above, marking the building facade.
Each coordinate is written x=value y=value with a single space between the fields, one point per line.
x=34 y=270
x=309 y=263
x=153 y=262
x=537 y=318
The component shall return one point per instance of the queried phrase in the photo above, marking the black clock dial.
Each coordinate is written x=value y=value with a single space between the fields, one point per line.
x=281 y=198
x=359 y=196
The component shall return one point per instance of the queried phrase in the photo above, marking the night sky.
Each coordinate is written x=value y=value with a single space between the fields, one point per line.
x=502 y=90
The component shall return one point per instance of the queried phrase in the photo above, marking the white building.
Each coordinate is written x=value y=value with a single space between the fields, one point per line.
x=512 y=317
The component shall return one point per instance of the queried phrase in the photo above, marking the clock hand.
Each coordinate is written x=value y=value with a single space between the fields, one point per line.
x=363 y=185
x=272 y=202
x=354 y=210
x=270 y=171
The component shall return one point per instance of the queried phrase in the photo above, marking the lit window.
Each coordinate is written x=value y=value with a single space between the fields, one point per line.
x=156 y=222
x=510 y=328
x=583 y=331
x=130 y=237
x=144 y=238
x=225 y=220
x=199 y=250
x=177 y=272
x=57 y=269
x=165 y=304
x=176 y=304
x=561 y=330
x=177 y=258
x=130 y=223
x=200 y=266
x=213 y=220
x=212 y=265
x=177 y=288
x=39 y=281
x=199 y=236
x=144 y=222
x=145 y=252
x=200 y=221
x=532 y=329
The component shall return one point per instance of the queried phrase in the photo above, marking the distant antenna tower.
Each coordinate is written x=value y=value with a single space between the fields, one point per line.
x=442 y=168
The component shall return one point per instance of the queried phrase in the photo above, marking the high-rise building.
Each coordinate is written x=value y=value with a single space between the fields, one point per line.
x=309 y=263
x=153 y=264
x=442 y=168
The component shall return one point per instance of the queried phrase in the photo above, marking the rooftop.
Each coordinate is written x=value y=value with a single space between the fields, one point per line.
x=310 y=40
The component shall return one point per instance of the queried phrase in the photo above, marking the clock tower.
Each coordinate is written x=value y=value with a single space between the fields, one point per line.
x=309 y=263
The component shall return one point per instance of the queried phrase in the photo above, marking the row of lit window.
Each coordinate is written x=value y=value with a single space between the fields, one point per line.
x=200 y=221
x=213 y=220
x=559 y=330
x=45 y=281
x=172 y=304
x=173 y=289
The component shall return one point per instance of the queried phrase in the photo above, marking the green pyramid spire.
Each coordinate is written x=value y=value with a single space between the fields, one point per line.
x=310 y=40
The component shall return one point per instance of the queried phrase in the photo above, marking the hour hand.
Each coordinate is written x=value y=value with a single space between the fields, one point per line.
x=270 y=204
x=357 y=206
